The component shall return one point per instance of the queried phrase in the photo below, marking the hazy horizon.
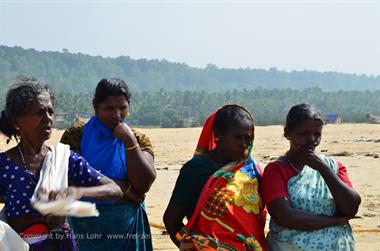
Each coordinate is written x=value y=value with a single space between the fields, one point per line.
x=339 y=36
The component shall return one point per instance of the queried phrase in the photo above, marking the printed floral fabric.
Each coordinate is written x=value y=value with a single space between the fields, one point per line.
x=246 y=193
x=228 y=201
x=229 y=214
x=309 y=192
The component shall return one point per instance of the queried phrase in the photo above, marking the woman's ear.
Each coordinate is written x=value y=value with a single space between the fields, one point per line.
x=16 y=125
x=217 y=138
x=286 y=133
x=95 y=107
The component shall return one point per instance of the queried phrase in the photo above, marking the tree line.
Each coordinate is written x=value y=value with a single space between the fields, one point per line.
x=190 y=108
x=77 y=72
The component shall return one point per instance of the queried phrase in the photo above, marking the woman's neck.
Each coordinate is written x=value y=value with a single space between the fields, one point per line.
x=218 y=158
x=30 y=148
x=293 y=160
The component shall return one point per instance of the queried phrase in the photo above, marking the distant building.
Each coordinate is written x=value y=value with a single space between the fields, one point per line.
x=332 y=119
x=373 y=119
x=63 y=116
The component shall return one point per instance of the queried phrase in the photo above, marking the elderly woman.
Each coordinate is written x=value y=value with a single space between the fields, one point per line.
x=308 y=195
x=218 y=189
x=124 y=155
x=28 y=117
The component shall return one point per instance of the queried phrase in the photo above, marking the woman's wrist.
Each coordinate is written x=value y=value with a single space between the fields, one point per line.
x=129 y=141
x=132 y=147
x=128 y=189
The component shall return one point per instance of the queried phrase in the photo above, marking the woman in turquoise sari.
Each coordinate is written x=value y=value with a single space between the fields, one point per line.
x=124 y=155
x=308 y=195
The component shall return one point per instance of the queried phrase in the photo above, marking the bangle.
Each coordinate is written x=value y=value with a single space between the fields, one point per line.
x=128 y=189
x=132 y=147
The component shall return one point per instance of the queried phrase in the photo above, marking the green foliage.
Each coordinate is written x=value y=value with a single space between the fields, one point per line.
x=190 y=108
x=176 y=95
x=79 y=73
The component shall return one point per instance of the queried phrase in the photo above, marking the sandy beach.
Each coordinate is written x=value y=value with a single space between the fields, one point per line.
x=357 y=146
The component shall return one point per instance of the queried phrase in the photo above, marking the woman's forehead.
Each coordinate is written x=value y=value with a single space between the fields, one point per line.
x=309 y=123
x=42 y=100
x=241 y=125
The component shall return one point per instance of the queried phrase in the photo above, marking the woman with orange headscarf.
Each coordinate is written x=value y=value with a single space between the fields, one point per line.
x=218 y=189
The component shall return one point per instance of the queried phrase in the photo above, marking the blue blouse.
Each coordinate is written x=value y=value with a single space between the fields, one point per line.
x=17 y=186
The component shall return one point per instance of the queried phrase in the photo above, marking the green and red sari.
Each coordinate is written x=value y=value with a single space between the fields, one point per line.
x=230 y=213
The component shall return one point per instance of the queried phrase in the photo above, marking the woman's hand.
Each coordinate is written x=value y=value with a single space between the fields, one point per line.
x=347 y=200
x=312 y=160
x=123 y=132
x=140 y=171
x=130 y=194
x=134 y=196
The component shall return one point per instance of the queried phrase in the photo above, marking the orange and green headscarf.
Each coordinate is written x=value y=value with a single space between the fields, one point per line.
x=207 y=139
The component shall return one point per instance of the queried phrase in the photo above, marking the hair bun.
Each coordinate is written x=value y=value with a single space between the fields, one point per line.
x=6 y=126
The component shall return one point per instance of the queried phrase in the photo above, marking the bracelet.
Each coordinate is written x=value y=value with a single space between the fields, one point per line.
x=132 y=147
x=128 y=189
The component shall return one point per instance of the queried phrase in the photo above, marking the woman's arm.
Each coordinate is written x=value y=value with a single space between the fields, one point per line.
x=173 y=220
x=130 y=194
x=347 y=200
x=141 y=172
x=106 y=190
x=286 y=216
x=192 y=177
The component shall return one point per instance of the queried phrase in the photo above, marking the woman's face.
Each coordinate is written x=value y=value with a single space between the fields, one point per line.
x=305 y=137
x=36 y=124
x=235 y=142
x=113 y=111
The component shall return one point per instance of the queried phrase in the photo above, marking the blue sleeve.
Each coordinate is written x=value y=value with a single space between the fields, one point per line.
x=81 y=173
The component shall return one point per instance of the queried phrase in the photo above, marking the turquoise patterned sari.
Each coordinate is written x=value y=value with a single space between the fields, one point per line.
x=309 y=192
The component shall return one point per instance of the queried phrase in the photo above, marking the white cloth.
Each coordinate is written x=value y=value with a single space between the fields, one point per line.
x=54 y=177
x=10 y=240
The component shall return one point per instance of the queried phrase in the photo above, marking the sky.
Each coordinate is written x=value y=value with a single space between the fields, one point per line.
x=324 y=35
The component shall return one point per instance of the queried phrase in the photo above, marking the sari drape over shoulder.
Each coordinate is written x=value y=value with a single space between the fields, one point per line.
x=309 y=192
x=229 y=214
x=119 y=226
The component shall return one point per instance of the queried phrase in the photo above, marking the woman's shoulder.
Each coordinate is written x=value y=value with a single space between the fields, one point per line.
x=3 y=159
x=144 y=141
x=275 y=165
x=6 y=164
x=278 y=169
x=198 y=164
x=73 y=136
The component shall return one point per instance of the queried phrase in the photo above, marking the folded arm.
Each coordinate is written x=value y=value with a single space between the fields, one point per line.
x=286 y=216
x=140 y=172
x=347 y=200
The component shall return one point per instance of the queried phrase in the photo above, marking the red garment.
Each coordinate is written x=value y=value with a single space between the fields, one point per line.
x=230 y=213
x=276 y=177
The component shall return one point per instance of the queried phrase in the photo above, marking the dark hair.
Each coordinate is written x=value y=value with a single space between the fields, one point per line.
x=299 y=113
x=20 y=95
x=110 y=87
x=229 y=116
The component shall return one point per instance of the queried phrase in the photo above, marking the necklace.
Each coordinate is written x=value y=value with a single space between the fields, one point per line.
x=24 y=165
x=286 y=158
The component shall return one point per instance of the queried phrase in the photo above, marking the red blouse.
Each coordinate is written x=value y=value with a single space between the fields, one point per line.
x=276 y=177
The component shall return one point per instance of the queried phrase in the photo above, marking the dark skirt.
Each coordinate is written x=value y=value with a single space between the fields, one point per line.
x=118 y=227
x=58 y=240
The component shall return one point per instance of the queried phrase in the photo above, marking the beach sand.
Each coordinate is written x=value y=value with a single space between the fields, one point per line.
x=357 y=146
